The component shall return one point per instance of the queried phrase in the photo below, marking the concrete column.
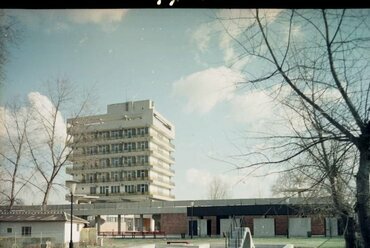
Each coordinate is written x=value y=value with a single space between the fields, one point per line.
x=152 y=225
x=133 y=224
x=119 y=223
x=97 y=223
x=141 y=222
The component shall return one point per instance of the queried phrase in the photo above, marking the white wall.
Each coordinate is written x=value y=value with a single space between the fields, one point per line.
x=202 y=228
x=38 y=229
x=225 y=224
x=75 y=232
x=298 y=227
x=331 y=225
x=264 y=227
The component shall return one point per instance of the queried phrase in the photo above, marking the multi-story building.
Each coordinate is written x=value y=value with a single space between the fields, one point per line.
x=123 y=155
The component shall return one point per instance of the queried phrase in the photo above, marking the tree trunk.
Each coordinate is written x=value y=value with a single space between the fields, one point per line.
x=46 y=195
x=349 y=230
x=347 y=220
x=363 y=202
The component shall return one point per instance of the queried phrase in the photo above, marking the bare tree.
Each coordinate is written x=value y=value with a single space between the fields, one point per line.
x=48 y=142
x=9 y=35
x=13 y=153
x=218 y=189
x=326 y=168
x=327 y=49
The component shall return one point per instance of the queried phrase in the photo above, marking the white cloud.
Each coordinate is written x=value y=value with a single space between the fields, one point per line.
x=202 y=36
x=96 y=15
x=229 y=25
x=252 y=107
x=205 y=89
x=44 y=113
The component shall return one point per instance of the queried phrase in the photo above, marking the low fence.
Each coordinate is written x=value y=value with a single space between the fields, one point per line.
x=29 y=242
x=136 y=234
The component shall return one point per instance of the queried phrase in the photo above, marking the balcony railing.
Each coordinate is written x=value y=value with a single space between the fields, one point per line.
x=119 y=179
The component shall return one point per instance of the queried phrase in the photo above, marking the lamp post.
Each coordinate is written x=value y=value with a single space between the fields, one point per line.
x=287 y=216
x=72 y=187
x=191 y=220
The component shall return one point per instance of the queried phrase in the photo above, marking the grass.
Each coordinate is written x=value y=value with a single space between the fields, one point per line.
x=314 y=242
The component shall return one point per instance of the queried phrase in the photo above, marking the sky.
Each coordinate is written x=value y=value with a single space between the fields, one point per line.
x=179 y=58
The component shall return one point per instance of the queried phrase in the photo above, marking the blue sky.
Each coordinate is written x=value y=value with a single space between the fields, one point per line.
x=179 y=58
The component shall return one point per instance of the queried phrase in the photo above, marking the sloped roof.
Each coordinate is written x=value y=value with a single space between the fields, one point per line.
x=28 y=216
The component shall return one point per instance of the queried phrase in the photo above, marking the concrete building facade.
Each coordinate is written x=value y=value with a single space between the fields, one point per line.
x=123 y=155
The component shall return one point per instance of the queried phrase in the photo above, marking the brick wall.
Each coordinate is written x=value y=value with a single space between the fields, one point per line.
x=317 y=225
x=248 y=222
x=213 y=224
x=281 y=225
x=174 y=223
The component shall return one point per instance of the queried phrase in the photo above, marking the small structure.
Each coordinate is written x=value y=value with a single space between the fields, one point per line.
x=38 y=228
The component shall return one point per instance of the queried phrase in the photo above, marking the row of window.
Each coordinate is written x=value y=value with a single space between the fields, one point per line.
x=106 y=190
x=116 y=176
x=120 y=133
x=115 y=148
x=26 y=230
x=129 y=160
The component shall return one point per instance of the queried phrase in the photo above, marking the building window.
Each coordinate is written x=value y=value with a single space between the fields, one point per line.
x=116 y=161
x=78 y=227
x=117 y=148
x=104 y=162
x=104 y=135
x=143 y=145
x=115 y=176
x=142 y=188
x=9 y=230
x=143 y=130
x=143 y=159
x=142 y=173
x=130 y=174
x=104 y=149
x=104 y=190
x=130 y=188
x=91 y=150
x=130 y=146
x=93 y=190
x=26 y=231
x=130 y=160
x=116 y=134
x=115 y=189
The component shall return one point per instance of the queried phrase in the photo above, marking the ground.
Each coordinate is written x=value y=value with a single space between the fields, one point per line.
x=313 y=242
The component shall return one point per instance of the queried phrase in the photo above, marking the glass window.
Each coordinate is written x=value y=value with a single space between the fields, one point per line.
x=116 y=161
x=92 y=190
x=26 y=231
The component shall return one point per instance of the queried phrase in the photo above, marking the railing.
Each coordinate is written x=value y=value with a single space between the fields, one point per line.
x=134 y=234
x=238 y=237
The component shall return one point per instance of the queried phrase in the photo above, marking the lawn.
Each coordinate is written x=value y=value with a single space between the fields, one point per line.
x=313 y=242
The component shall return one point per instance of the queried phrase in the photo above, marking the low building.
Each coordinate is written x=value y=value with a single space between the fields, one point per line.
x=34 y=228
x=264 y=217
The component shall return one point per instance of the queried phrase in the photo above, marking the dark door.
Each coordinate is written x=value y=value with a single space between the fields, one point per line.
x=209 y=226
x=193 y=228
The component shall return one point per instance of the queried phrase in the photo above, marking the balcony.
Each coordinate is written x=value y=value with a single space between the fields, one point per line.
x=119 y=179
